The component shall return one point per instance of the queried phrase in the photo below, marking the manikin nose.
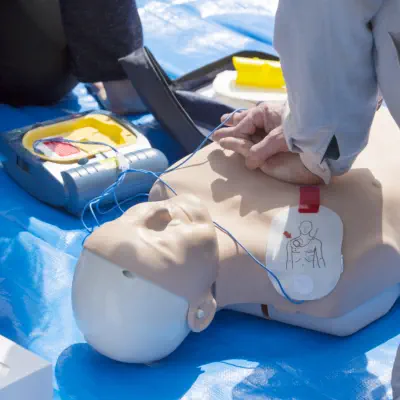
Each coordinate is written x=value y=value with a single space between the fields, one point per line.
x=159 y=219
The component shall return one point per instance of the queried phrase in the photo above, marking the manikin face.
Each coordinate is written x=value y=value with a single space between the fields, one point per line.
x=305 y=227
x=123 y=315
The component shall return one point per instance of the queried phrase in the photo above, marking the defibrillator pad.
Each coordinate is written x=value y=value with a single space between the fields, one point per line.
x=304 y=251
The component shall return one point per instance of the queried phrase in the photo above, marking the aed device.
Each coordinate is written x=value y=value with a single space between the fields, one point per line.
x=70 y=161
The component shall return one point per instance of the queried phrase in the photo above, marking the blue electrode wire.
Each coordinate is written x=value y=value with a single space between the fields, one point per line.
x=259 y=263
x=119 y=204
x=111 y=191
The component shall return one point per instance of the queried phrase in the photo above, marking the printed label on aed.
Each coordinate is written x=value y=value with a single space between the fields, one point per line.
x=305 y=252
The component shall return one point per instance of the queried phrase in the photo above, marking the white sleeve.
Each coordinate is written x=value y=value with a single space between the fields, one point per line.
x=326 y=51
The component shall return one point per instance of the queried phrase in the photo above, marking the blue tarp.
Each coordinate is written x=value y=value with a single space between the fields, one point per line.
x=238 y=357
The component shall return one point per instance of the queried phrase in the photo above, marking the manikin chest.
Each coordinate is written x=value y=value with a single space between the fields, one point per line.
x=246 y=202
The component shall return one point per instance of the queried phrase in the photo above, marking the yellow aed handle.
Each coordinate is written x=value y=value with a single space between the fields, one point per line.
x=259 y=73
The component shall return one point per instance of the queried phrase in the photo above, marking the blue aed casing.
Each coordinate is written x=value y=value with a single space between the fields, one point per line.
x=72 y=185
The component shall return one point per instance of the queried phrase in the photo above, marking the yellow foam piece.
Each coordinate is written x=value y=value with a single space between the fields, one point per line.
x=93 y=127
x=258 y=73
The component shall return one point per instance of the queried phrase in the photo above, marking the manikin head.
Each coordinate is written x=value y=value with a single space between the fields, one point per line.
x=143 y=281
x=305 y=227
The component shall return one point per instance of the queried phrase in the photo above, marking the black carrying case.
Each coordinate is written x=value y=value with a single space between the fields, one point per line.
x=185 y=114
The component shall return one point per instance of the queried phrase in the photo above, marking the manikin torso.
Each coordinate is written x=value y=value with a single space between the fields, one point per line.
x=138 y=312
x=245 y=203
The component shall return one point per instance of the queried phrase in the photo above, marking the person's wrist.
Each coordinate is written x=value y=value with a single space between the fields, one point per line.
x=310 y=162
x=288 y=167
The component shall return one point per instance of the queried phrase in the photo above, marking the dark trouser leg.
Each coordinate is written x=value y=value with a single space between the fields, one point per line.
x=99 y=32
x=34 y=66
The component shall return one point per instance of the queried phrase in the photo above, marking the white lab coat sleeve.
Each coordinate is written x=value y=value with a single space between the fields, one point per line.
x=326 y=52
x=386 y=30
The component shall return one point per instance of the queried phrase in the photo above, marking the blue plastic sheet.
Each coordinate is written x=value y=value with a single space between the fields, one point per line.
x=252 y=18
x=238 y=357
x=183 y=41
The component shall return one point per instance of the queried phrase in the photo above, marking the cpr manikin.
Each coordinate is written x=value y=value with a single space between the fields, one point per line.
x=147 y=279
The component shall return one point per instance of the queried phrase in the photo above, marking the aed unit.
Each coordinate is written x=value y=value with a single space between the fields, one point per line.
x=68 y=162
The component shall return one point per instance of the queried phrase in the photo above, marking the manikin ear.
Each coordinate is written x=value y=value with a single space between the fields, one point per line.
x=201 y=314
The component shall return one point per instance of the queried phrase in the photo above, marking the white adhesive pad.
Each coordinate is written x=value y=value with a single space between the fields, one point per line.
x=305 y=252
x=225 y=85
